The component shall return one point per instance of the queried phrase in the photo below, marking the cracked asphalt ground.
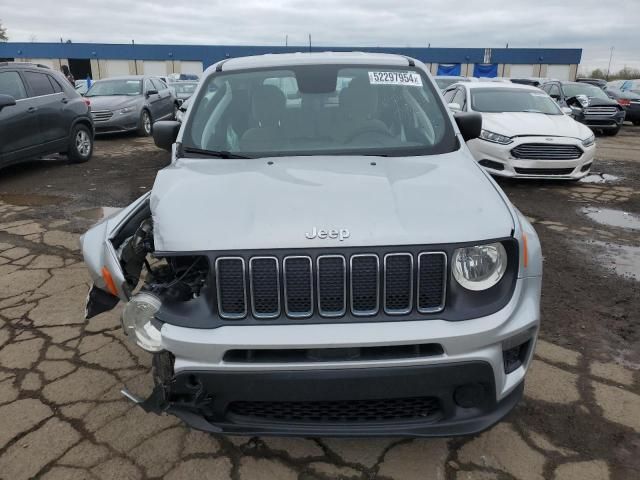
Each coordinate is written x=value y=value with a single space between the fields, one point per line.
x=62 y=416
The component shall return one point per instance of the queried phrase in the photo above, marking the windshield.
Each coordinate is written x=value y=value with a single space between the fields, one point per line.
x=184 y=87
x=320 y=109
x=573 y=89
x=115 y=87
x=498 y=100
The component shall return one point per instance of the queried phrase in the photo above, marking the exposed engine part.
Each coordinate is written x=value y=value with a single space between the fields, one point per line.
x=134 y=251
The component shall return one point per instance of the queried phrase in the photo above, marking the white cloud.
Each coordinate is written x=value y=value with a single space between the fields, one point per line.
x=589 y=24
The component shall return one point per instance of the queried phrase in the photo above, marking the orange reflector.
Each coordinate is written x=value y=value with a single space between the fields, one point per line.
x=108 y=280
x=525 y=251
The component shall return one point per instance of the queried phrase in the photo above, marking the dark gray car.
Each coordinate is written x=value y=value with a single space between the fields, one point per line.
x=130 y=103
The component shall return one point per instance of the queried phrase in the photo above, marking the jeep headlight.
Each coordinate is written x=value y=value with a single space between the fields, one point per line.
x=136 y=321
x=479 y=267
x=126 y=110
x=587 y=142
x=495 y=137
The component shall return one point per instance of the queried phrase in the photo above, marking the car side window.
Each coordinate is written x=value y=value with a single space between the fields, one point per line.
x=459 y=98
x=148 y=85
x=448 y=95
x=554 y=91
x=39 y=83
x=11 y=84
x=157 y=84
x=54 y=83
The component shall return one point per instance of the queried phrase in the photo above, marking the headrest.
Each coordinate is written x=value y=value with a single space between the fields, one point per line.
x=268 y=104
x=359 y=100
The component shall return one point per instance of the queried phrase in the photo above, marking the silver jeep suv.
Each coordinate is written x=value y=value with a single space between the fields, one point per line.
x=323 y=256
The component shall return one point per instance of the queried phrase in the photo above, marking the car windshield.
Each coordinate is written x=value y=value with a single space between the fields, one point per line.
x=184 y=87
x=498 y=100
x=320 y=109
x=115 y=87
x=591 y=91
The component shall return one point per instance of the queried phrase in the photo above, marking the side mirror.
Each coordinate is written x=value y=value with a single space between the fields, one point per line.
x=566 y=111
x=151 y=92
x=6 y=101
x=469 y=123
x=555 y=97
x=165 y=133
x=455 y=107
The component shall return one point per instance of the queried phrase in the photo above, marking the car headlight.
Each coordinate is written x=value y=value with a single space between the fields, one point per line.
x=125 y=110
x=136 y=321
x=587 y=142
x=495 y=137
x=479 y=267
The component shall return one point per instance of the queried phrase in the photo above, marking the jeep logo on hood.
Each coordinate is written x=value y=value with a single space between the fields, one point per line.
x=340 y=234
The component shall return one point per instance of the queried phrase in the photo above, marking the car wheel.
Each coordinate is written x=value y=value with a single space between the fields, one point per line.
x=636 y=123
x=80 y=144
x=145 y=124
x=613 y=132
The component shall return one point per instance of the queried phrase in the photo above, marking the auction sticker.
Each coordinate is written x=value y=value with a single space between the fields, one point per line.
x=395 y=78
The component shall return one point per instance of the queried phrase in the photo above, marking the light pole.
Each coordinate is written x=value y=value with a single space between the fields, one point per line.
x=610 y=58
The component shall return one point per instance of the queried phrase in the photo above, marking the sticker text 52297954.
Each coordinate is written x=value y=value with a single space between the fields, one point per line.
x=395 y=78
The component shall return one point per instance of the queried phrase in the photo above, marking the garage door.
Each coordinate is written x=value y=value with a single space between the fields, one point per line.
x=152 y=67
x=191 y=67
x=521 y=71
x=116 y=68
x=559 y=72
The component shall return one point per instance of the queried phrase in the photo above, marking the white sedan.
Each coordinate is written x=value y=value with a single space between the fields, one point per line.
x=524 y=132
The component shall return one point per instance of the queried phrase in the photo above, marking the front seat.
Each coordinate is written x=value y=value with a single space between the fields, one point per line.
x=268 y=105
x=358 y=105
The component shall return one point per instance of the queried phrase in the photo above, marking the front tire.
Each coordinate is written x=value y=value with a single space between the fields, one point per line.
x=80 y=144
x=145 y=124
x=636 y=123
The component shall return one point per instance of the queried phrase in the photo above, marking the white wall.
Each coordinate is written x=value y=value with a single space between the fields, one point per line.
x=114 y=68
x=521 y=71
x=152 y=67
x=191 y=67
x=559 y=72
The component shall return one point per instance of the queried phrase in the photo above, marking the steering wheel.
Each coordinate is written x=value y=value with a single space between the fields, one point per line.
x=367 y=130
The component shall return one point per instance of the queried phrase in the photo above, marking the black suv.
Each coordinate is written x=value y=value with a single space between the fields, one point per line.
x=40 y=114
x=589 y=105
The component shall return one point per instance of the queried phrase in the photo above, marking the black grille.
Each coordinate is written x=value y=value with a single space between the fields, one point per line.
x=348 y=411
x=398 y=283
x=432 y=269
x=546 y=151
x=365 y=284
x=298 y=286
x=331 y=285
x=232 y=301
x=265 y=287
x=544 y=171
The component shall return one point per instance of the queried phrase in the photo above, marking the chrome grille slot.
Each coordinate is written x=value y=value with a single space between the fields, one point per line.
x=298 y=286
x=365 y=284
x=432 y=281
x=398 y=283
x=101 y=115
x=601 y=110
x=264 y=278
x=545 y=151
x=332 y=285
x=231 y=287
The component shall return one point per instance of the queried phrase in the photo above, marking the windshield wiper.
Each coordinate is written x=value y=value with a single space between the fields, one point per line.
x=214 y=153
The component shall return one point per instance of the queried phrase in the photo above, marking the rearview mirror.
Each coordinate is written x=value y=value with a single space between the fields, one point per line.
x=469 y=123
x=151 y=92
x=6 y=101
x=455 y=107
x=165 y=133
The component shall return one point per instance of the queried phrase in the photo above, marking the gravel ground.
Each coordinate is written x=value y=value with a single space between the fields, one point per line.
x=62 y=416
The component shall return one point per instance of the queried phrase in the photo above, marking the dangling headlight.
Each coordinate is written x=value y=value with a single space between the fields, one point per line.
x=136 y=321
x=479 y=267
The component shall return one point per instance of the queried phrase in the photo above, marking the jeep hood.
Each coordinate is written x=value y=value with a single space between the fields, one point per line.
x=237 y=204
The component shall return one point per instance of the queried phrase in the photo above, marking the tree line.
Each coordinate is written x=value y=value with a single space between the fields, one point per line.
x=626 y=73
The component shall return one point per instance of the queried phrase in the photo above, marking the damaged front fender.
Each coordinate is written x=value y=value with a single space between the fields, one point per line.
x=100 y=248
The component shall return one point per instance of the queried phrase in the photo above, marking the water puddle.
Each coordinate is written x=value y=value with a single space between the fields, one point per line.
x=613 y=218
x=599 y=178
x=32 y=200
x=99 y=213
x=624 y=260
